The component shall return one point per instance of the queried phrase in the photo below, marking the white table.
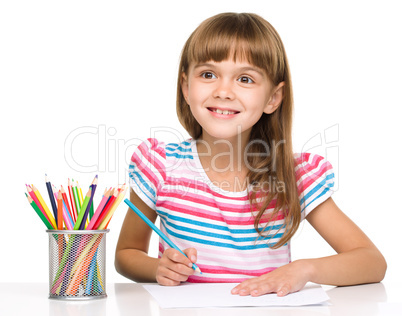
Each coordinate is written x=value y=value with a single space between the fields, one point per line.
x=132 y=299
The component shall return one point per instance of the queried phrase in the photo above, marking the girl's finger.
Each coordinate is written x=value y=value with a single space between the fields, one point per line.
x=178 y=257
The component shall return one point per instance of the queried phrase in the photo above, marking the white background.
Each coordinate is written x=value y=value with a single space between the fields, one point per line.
x=83 y=82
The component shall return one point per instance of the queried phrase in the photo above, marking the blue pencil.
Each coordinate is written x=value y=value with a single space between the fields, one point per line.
x=157 y=230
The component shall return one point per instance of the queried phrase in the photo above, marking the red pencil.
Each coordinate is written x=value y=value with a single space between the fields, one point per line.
x=106 y=209
x=65 y=199
x=59 y=211
x=73 y=209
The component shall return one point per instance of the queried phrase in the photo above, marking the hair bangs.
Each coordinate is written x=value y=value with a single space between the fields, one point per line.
x=238 y=37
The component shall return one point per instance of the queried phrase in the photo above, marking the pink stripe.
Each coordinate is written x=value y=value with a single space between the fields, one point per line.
x=150 y=157
x=306 y=183
x=201 y=213
x=203 y=279
x=228 y=253
x=221 y=261
x=222 y=254
x=193 y=211
x=201 y=186
x=307 y=166
x=245 y=254
x=160 y=149
x=204 y=200
x=225 y=270
x=145 y=171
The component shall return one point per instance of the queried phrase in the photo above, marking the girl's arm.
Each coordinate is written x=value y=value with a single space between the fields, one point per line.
x=358 y=260
x=132 y=260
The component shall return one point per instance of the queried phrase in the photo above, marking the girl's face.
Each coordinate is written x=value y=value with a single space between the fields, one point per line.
x=229 y=97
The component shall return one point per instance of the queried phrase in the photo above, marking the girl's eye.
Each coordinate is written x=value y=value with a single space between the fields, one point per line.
x=244 y=79
x=208 y=75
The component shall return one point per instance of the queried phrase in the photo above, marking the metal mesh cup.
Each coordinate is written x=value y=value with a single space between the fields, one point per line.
x=77 y=267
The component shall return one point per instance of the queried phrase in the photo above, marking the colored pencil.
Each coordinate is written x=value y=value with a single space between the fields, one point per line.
x=35 y=199
x=157 y=230
x=70 y=193
x=65 y=199
x=113 y=208
x=82 y=212
x=76 y=199
x=67 y=217
x=106 y=209
x=66 y=207
x=51 y=197
x=88 y=207
x=59 y=211
x=94 y=186
x=80 y=196
x=91 y=274
x=99 y=209
x=44 y=206
x=88 y=253
x=39 y=212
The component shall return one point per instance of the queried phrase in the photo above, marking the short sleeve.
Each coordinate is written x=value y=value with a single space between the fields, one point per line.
x=147 y=170
x=315 y=181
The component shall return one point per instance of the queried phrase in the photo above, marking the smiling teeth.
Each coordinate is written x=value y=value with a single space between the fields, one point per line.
x=226 y=112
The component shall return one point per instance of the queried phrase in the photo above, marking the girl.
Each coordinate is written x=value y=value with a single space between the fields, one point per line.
x=234 y=194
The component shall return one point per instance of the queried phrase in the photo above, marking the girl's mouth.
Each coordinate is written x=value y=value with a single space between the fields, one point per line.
x=224 y=112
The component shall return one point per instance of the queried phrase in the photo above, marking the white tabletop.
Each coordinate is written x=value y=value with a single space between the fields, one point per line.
x=133 y=299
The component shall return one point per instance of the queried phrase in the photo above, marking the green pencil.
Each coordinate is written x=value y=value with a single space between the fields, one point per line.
x=39 y=212
x=76 y=198
x=83 y=208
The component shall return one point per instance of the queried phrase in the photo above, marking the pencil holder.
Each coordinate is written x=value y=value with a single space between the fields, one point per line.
x=77 y=269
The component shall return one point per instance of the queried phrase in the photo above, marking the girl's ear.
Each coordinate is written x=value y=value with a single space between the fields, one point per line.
x=184 y=86
x=276 y=98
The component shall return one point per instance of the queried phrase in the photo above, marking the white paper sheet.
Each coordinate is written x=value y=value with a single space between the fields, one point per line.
x=189 y=295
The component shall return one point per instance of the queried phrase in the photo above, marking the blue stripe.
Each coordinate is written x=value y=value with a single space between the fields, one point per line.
x=181 y=149
x=228 y=237
x=214 y=243
x=179 y=156
x=322 y=193
x=214 y=226
x=318 y=187
x=176 y=150
x=142 y=184
x=186 y=143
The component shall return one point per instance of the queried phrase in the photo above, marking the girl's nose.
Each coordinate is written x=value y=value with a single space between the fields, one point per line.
x=224 y=90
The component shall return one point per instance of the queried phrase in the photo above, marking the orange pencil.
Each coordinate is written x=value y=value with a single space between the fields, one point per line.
x=59 y=211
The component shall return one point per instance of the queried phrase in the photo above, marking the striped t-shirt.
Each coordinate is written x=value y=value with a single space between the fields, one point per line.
x=194 y=212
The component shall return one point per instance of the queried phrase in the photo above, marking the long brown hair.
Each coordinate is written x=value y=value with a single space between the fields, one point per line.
x=250 y=37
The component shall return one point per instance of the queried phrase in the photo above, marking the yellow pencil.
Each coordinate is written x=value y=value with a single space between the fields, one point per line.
x=81 y=197
x=109 y=215
x=44 y=206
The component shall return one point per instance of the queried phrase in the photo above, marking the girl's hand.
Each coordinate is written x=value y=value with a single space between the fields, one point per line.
x=284 y=280
x=174 y=267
